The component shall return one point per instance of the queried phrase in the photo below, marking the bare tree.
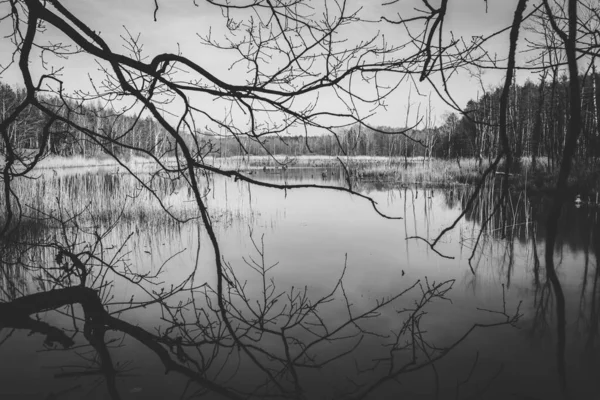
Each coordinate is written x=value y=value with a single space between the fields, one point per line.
x=287 y=54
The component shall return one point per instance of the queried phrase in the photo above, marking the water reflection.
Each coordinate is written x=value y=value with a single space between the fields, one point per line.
x=113 y=302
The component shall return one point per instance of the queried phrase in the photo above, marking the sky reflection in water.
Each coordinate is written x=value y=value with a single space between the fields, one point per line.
x=311 y=233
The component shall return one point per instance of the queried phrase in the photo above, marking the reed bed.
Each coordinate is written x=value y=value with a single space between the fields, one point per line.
x=100 y=197
x=307 y=161
x=411 y=170
x=54 y=162
x=401 y=170
x=434 y=172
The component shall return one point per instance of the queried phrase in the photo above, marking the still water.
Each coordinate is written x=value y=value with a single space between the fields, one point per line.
x=327 y=298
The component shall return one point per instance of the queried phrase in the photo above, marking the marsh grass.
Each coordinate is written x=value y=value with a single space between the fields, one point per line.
x=434 y=172
x=55 y=162
x=314 y=161
x=58 y=164
x=104 y=190
x=412 y=170
x=407 y=171
x=100 y=197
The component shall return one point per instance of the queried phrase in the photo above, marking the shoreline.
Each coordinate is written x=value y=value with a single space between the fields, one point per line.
x=412 y=170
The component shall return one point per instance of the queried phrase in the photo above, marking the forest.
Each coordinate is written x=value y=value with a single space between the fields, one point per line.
x=27 y=131
x=538 y=115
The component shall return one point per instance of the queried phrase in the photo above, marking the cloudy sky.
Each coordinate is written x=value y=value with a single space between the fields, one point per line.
x=180 y=22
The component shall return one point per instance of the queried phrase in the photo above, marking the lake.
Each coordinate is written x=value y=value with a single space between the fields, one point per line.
x=322 y=297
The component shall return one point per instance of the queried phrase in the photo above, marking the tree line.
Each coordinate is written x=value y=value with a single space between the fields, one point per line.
x=538 y=115
x=119 y=128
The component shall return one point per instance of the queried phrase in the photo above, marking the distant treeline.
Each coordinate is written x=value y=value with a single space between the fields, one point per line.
x=116 y=127
x=351 y=141
x=537 y=122
x=538 y=115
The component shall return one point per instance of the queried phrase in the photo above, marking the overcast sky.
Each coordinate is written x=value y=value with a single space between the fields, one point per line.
x=179 y=22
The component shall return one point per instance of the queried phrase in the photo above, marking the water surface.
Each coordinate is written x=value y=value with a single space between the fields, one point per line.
x=312 y=238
